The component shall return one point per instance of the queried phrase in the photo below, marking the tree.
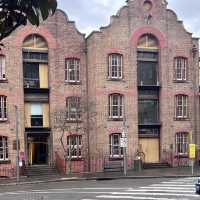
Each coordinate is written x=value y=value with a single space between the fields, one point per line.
x=14 y=13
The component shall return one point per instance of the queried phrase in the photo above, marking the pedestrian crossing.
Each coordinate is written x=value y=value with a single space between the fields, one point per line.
x=180 y=188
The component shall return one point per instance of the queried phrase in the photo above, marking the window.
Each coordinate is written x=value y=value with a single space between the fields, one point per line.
x=148 y=41
x=114 y=141
x=3 y=108
x=3 y=148
x=181 y=67
x=181 y=106
x=148 y=111
x=74 y=146
x=36 y=115
x=115 y=106
x=2 y=67
x=72 y=70
x=35 y=41
x=115 y=63
x=182 y=141
x=73 y=108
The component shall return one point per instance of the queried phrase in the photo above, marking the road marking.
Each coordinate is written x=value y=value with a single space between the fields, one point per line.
x=168 y=188
x=132 y=197
x=155 y=194
x=173 y=185
x=161 y=190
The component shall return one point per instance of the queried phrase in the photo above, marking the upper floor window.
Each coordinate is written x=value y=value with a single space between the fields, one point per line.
x=114 y=142
x=3 y=148
x=148 y=41
x=35 y=41
x=3 y=108
x=181 y=106
x=182 y=142
x=73 y=108
x=72 y=70
x=74 y=146
x=2 y=67
x=116 y=106
x=180 y=67
x=115 y=63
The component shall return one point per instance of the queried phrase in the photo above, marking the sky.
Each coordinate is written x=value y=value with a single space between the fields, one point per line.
x=90 y=15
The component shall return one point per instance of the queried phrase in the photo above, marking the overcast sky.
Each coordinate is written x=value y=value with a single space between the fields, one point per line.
x=91 y=14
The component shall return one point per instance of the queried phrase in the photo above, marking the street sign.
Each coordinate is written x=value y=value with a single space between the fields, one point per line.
x=192 y=151
x=123 y=142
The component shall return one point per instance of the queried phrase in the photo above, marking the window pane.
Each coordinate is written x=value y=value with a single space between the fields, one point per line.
x=36 y=109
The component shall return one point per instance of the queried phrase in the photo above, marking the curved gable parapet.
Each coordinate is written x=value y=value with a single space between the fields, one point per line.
x=121 y=12
x=174 y=15
x=63 y=14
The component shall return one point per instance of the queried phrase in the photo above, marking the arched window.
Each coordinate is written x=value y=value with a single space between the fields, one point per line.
x=180 y=68
x=114 y=143
x=35 y=62
x=35 y=41
x=182 y=143
x=116 y=106
x=181 y=106
x=148 y=41
x=115 y=62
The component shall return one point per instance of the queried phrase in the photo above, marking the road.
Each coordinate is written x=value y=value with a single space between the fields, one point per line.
x=138 y=189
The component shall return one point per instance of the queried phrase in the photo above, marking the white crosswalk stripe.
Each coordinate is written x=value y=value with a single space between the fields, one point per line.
x=181 y=188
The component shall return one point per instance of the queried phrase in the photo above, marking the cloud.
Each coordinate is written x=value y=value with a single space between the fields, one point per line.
x=92 y=14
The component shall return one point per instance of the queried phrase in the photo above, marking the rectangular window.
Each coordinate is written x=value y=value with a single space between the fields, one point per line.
x=3 y=148
x=115 y=63
x=116 y=106
x=181 y=106
x=181 y=66
x=147 y=73
x=31 y=75
x=182 y=142
x=3 y=108
x=2 y=67
x=72 y=70
x=73 y=108
x=148 y=111
x=74 y=146
x=115 y=150
x=36 y=115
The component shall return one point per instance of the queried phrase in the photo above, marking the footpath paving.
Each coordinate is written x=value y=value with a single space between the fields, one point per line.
x=179 y=172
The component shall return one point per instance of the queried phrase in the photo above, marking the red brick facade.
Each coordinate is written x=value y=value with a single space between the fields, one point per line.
x=120 y=37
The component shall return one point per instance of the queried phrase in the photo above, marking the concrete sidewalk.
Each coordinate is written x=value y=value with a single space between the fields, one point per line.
x=145 y=173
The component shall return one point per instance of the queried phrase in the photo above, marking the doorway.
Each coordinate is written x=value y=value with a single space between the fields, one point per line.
x=37 y=151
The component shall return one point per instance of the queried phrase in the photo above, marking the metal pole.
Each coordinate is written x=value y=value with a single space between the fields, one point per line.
x=125 y=138
x=17 y=142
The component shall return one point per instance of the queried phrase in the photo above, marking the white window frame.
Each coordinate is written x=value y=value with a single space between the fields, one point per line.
x=115 y=60
x=112 y=146
x=70 y=101
x=4 y=148
x=2 y=67
x=182 y=143
x=3 y=107
x=181 y=68
x=118 y=105
x=181 y=106
x=77 y=146
x=72 y=65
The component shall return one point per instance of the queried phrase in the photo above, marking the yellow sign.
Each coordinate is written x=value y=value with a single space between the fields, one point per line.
x=192 y=151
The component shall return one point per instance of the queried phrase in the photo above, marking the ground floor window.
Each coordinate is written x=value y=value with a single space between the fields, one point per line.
x=74 y=146
x=114 y=143
x=3 y=148
x=182 y=143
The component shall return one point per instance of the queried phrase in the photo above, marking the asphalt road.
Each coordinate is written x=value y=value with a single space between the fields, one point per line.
x=139 y=189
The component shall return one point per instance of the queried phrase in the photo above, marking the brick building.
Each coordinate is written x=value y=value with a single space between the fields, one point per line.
x=139 y=75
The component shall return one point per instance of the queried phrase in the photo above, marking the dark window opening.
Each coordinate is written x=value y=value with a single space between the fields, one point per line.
x=37 y=120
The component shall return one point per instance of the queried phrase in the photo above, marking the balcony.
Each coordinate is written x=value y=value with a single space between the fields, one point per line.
x=31 y=83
